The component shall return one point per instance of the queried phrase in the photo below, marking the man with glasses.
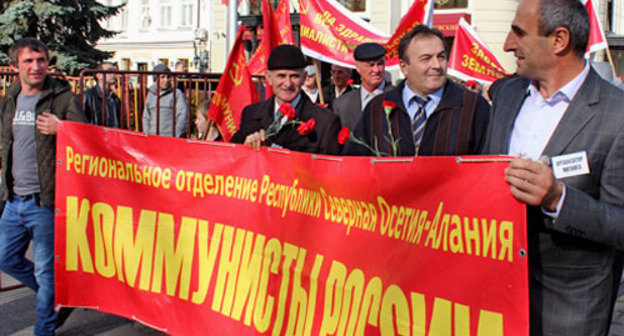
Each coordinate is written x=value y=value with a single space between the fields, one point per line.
x=340 y=77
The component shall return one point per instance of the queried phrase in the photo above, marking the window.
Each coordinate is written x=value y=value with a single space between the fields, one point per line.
x=354 y=5
x=146 y=19
x=186 y=13
x=126 y=64
x=109 y=19
x=165 y=13
x=123 y=17
x=444 y=4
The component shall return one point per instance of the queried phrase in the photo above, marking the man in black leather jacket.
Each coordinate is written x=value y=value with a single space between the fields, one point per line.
x=93 y=100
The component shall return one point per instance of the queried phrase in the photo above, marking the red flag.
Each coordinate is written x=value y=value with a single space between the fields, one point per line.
x=597 y=39
x=235 y=91
x=258 y=62
x=471 y=59
x=283 y=24
x=421 y=12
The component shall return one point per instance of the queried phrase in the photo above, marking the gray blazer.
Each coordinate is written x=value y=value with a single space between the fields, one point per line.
x=349 y=107
x=572 y=259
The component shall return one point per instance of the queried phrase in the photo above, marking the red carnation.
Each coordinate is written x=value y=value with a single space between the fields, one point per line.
x=471 y=84
x=387 y=103
x=306 y=127
x=321 y=105
x=344 y=135
x=350 y=82
x=287 y=110
x=388 y=106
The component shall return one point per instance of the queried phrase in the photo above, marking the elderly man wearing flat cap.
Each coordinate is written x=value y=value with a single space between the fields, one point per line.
x=429 y=115
x=285 y=75
x=371 y=65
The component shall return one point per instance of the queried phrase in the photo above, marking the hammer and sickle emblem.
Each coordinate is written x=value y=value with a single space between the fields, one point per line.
x=236 y=74
x=304 y=6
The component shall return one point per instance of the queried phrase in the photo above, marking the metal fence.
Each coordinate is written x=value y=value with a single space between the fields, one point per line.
x=132 y=89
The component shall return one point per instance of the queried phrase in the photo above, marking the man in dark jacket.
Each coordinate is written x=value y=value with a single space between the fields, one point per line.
x=30 y=112
x=93 y=100
x=340 y=77
x=370 y=63
x=285 y=74
x=429 y=114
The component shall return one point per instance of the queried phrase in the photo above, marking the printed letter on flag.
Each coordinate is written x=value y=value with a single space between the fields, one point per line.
x=330 y=32
x=235 y=91
x=471 y=58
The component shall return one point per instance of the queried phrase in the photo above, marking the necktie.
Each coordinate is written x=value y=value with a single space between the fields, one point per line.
x=420 y=120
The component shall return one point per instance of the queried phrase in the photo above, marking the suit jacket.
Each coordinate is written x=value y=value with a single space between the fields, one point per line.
x=349 y=106
x=329 y=94
x=323 y=140
x=571 y=258
x=449 y=109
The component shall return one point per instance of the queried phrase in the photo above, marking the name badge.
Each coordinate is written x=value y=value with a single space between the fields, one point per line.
x=573 y=164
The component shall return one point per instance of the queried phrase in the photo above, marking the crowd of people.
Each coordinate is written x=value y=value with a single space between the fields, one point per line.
x=554 y=105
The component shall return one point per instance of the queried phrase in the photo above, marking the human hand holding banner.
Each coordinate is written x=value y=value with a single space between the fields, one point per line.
x=200 y=238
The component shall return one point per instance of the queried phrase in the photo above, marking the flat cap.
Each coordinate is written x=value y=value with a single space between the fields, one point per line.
x=160 y=68
x=368 y=51
x=286 y=56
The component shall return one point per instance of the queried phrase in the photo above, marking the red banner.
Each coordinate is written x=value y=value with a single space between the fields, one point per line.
x=330 y=32
x=597 y=39
x=447 y=20
x=471 y=58
x=205 y=238
x=236 y=83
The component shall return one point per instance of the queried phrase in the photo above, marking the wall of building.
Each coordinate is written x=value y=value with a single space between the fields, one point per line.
x=144 y=40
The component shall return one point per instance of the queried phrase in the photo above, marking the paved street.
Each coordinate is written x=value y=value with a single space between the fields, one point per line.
x=17 y=316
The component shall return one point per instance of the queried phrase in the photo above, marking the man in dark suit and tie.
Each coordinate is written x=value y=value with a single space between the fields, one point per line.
x=559 y=106
x=371 y=65
x=285 y=74
x=429 y=115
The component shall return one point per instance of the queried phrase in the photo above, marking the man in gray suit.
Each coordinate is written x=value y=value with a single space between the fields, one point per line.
x=557 y=106
x=371 y=65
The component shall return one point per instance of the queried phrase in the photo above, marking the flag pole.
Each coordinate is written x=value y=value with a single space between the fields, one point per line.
x=610 y=58
x=232 y=26
x=317 y=71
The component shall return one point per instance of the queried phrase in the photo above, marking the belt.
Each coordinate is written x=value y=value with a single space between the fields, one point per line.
x=34 y=196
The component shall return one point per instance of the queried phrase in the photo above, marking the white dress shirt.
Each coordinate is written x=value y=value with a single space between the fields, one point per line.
x=312 y=94
x=366 y=96
x=537 y=120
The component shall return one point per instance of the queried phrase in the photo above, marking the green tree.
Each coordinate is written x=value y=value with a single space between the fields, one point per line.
x=70 y=29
